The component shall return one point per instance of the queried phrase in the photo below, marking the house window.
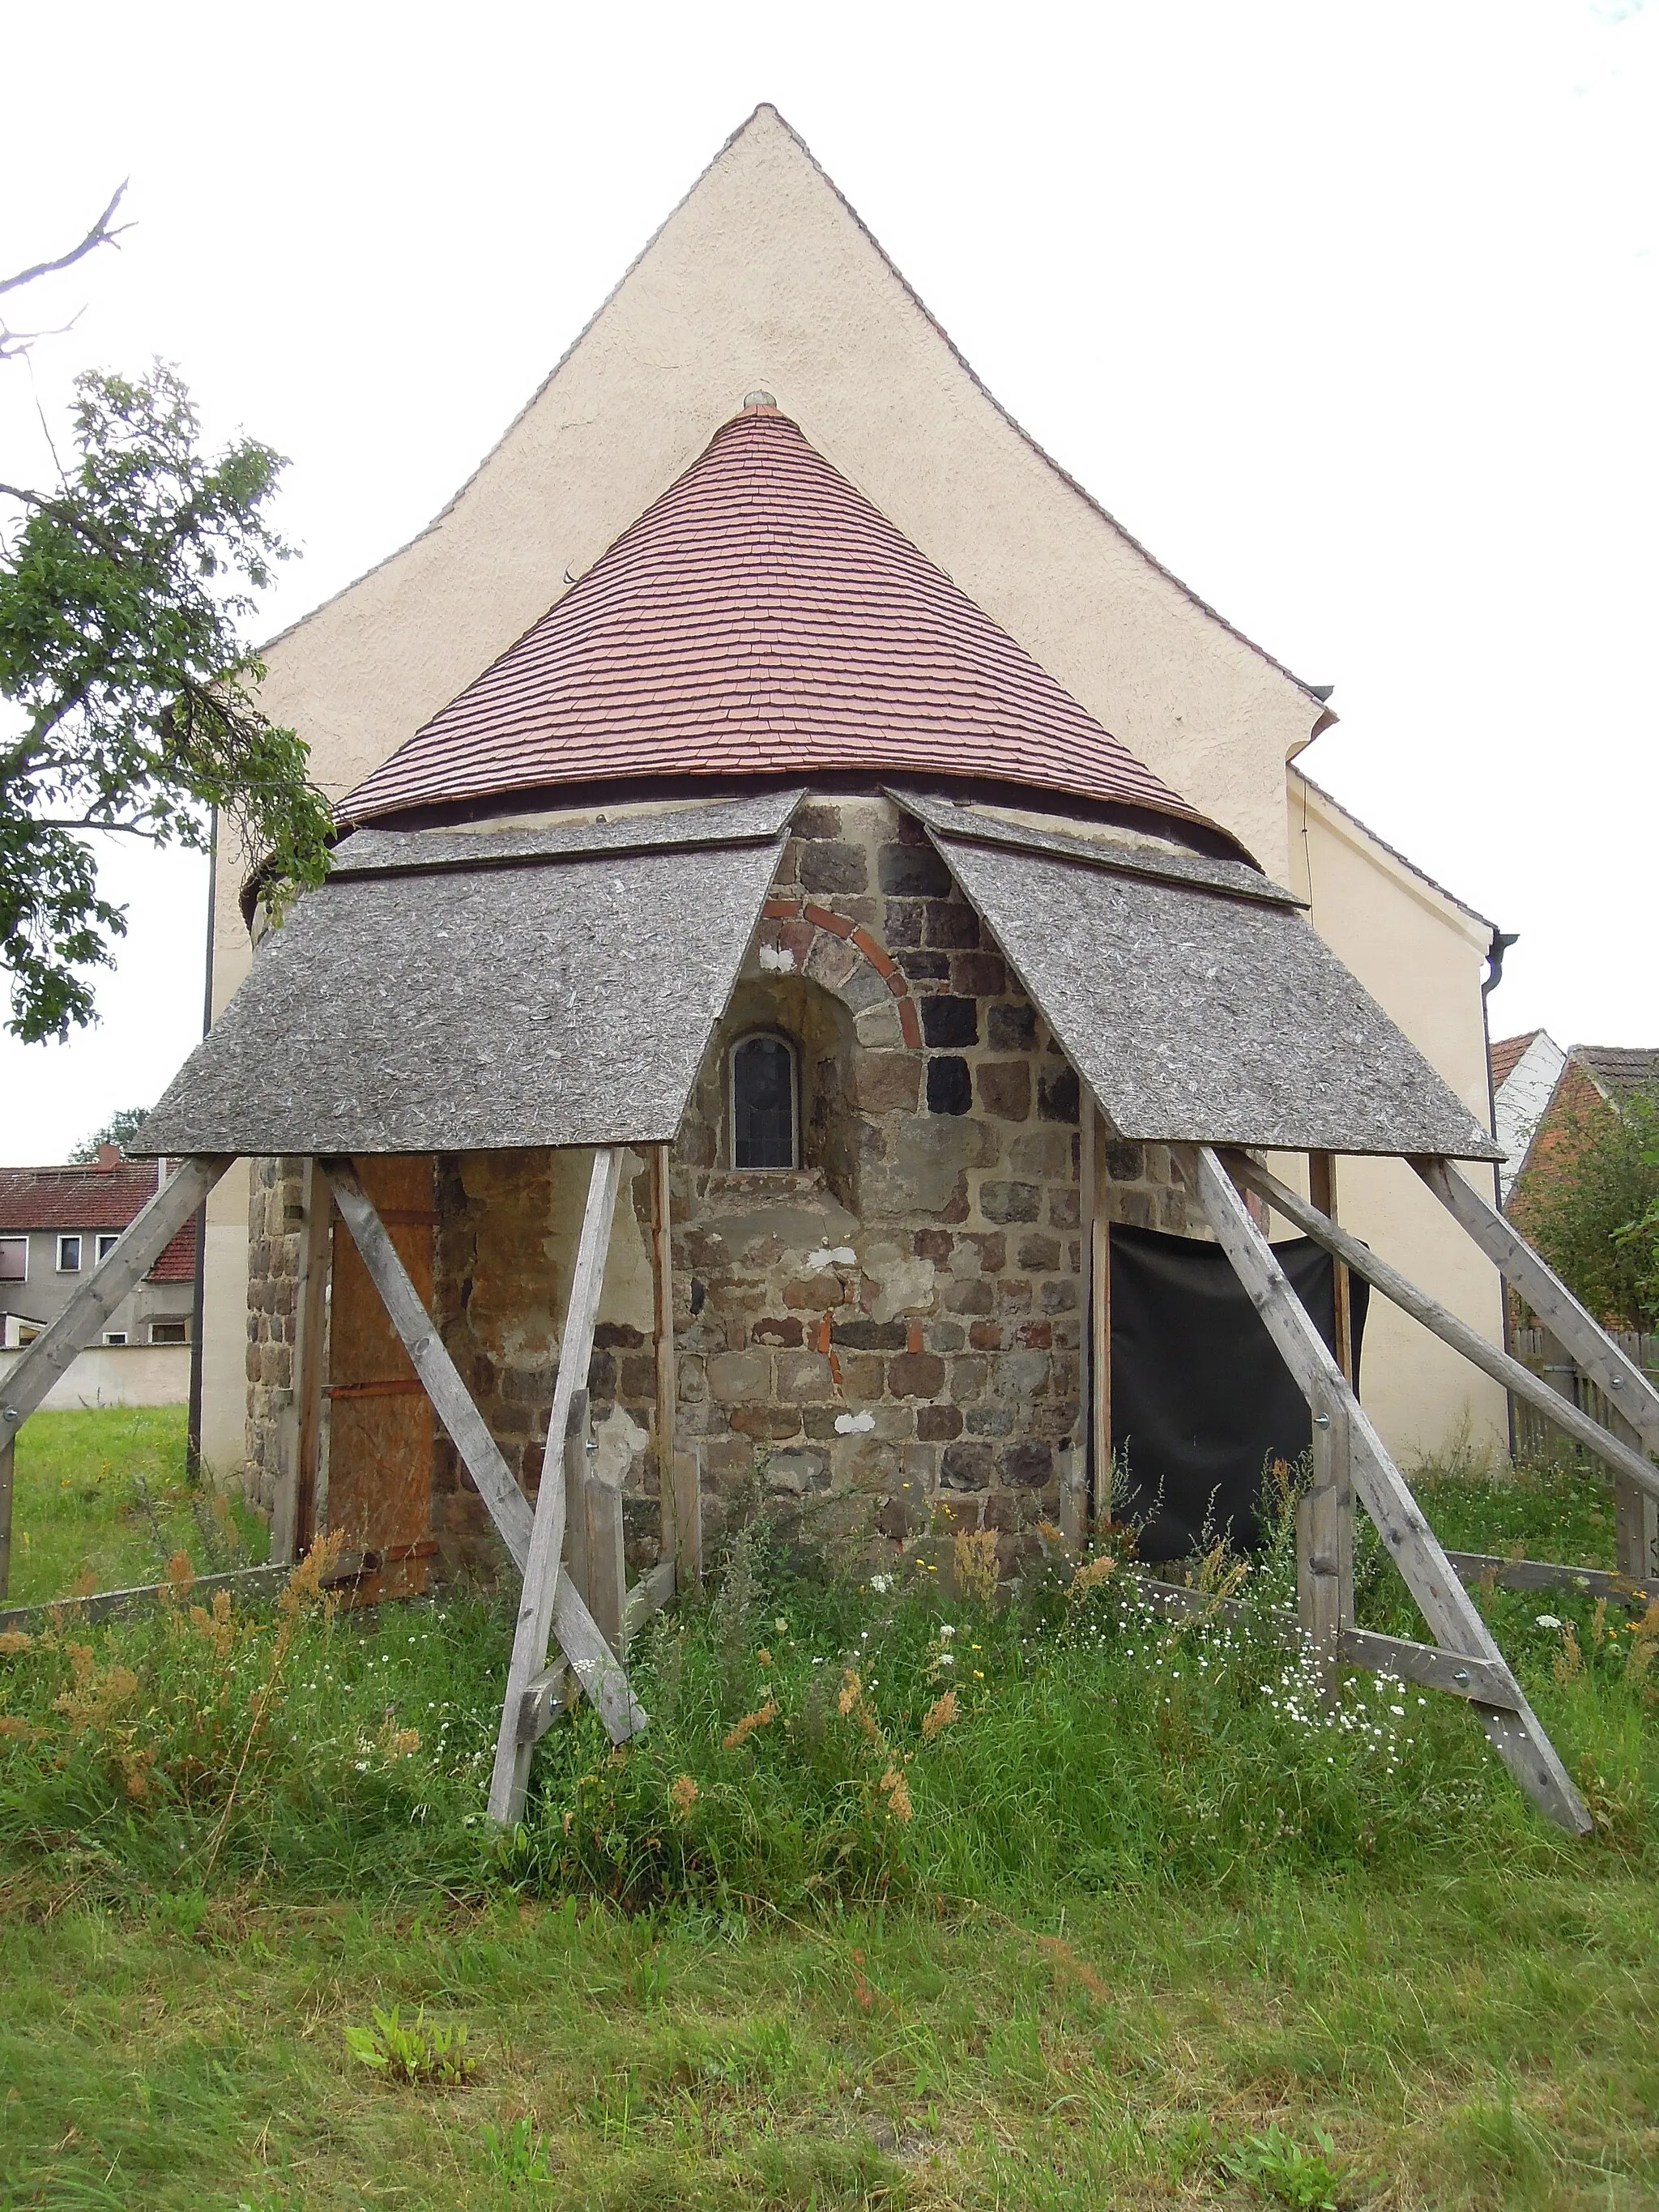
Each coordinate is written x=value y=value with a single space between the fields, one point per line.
x=765 y=1103
x=14 y=1259
x=115 y=1336
x=169 y=1331
x=107 y=1244
x=69 y=1255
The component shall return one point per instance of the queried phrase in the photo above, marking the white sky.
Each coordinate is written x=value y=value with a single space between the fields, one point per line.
x=1348 y=312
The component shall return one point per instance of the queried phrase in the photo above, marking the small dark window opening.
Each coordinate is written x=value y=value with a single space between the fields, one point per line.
x=765 y=1104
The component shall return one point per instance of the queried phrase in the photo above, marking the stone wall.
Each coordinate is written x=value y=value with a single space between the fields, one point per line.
x=276 y=1227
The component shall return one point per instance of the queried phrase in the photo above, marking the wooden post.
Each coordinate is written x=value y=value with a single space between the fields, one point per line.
x=1514 y=1733
x=1322 y=1183
x=1075 y=1494
x=294 y=1512
x=129 y=1260
x=1636 y=1518
x=1322 y=1189
x=575 y=1490
x=542 y=1579
x=1626 y=1387
x=681 y=1506
x=1445 y=1325
x=591 y=1657
x=1324 y=1545
x=607 y=1569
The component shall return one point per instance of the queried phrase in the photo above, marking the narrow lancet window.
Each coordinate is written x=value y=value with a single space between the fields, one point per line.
x=765 y=1103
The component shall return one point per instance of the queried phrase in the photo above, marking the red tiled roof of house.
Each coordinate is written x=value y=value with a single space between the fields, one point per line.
x=760 y=618
x=90 y=1199
x=1506 y=1055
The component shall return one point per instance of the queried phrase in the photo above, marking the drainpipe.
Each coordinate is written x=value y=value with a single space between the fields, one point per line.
x=198 y=1299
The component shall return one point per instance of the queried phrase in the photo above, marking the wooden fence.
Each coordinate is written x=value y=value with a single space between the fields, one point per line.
x=1536 y=1437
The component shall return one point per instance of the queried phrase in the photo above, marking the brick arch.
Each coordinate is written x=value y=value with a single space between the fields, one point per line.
x=818 y=941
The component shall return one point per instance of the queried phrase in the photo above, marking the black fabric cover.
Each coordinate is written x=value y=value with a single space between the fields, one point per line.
x=1201 y=1399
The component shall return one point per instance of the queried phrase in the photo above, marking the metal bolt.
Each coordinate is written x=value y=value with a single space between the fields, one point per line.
x=1616 y=1382
x=1322 y=1420
x=1462 y=1678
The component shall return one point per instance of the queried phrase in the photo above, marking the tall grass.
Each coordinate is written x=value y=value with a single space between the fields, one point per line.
x=815 y=1743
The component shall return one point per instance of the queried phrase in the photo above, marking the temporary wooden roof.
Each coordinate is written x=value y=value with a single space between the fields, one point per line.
x=553 y=987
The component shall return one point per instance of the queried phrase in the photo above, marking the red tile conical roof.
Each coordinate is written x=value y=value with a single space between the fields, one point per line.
x=760 y=618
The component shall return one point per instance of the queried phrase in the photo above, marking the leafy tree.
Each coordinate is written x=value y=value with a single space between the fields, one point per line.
x=120 y=594
x=1592 y=1208
x=122 y=1127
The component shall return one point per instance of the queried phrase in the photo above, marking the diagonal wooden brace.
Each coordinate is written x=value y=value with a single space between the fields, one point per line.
x=1446 y=1326
x=544 y=1584
x=1572 y=1327
x=130 y=1258
x=591 y=1659
x=1516 y=1733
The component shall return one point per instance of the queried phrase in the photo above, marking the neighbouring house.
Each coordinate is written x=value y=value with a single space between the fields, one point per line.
x=56 y=1223
x=766 y=597
x=1543 y=1096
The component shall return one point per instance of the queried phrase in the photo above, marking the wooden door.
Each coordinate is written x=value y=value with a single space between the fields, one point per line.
x=379 y=1442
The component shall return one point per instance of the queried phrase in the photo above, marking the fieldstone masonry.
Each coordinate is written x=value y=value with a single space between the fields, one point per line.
x=885 y=1341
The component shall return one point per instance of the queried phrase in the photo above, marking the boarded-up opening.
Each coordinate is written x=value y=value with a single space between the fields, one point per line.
x=380 y=1437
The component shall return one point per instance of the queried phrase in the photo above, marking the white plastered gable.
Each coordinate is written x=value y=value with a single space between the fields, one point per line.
x=764 y=277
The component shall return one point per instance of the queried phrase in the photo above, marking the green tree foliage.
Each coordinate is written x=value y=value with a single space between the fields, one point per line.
x=120 y=596
x=1592 y=1208
x=122 y=1127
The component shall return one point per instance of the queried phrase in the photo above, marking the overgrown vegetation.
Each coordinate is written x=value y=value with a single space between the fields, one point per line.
x=904 y=1898
x=103 y=1501
x=1593 y=1208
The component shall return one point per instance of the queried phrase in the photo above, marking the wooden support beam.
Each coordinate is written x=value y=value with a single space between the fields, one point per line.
x=544 y=1585
x=1514 y=1733
x=1621 y=1457
x=648 y=1596
x=1322 y=1188
x=1551 y=1574
x=1591 y=1347
x=1324 y=1590
x=576 y=1435
x=678 y=1488
x=607 y=1571
x=294 y=1517
x=465 y=1425
x=545 y=1696
x=129 y=1260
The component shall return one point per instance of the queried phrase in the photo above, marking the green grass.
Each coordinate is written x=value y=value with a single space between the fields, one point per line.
x=102 y=1502
x=1154 y=1931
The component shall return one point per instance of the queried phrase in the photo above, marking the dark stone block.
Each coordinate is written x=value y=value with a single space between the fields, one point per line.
x=1057 y=1094
x=1010 y=1029
x=966 y=1466
x=896 y=1520
x=832 y=866
x=1060 y=1295
x=816 y=820
x=915 y=1375
x=617 y=1336
x=944 y=1336
x=934 y=1244
x=783 y=1328
x=1004 y=1089
x=1063 y=1210
x=924 y=966
x=979 y=975
x=601 y=1375
x=869 y=1335
x=1028 y=1465
x=953 y=925
x=903 y=923
x=912 y=871
x=974 y=1296
x=990 y=1420
x=938 y=1425
x=946 y=1020
x=1125 y=1162
x=1009 y=1201
x=949 y=1087
x=1039 y=1252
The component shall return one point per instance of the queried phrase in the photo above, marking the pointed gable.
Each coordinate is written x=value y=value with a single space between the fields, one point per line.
x=760 y=618
x=764 y=276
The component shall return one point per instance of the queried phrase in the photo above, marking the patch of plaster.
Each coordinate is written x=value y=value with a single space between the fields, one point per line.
x=854 y=1425
x=617 y=1441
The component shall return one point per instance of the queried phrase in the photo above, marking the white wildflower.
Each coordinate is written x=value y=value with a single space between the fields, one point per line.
x=1548 y=1620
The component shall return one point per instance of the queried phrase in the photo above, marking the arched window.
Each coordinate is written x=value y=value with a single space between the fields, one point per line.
x=765 y=1102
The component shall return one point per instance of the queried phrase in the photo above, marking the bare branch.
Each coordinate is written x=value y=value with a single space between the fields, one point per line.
x=100 y=235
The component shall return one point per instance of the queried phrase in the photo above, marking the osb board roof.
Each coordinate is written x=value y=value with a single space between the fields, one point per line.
x=762 y=616
x=1236 y=878
x=1207 y=1018
x=553 y=1002
x=737 y=822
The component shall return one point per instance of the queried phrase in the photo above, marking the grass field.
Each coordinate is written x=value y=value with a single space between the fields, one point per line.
x=102 y=1502
x=900 y=1901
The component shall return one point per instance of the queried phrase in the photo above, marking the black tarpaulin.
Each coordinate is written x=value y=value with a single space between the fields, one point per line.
x=1201 y=1400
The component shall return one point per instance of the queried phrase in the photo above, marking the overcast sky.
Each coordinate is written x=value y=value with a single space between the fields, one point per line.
x=1347 y=312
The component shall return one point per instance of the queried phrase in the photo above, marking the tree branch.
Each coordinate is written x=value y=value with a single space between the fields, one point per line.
x=100 y=235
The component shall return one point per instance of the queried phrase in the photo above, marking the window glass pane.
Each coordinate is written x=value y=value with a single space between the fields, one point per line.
x=169 y=1332
x=106 y=1246
x=68 y=1255
x=14 y=1259
x=763 y=1105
